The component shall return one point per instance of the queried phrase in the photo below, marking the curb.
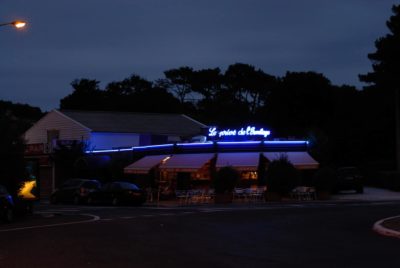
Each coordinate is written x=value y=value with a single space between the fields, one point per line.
x=379 y=228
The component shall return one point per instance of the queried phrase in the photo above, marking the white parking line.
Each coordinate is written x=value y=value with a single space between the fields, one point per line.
x=60 y=210
x=94 y=218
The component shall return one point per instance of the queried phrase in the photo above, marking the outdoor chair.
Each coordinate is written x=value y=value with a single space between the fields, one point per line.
x=239 y=194
x=182 y=196
x=302 y=193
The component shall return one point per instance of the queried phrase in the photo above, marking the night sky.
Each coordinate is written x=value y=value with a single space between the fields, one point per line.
x=110 y=40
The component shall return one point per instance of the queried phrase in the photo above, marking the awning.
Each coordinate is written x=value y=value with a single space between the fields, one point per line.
x=301 y=160
x=143 y=165
x=239 y=161
x=186 y=162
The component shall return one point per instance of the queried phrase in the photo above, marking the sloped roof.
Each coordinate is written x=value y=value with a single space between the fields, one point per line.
x=146 y=123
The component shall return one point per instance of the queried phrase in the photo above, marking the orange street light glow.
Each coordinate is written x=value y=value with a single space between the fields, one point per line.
x=19 y=24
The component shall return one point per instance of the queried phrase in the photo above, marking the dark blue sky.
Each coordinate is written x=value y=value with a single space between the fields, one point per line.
x=109 y=40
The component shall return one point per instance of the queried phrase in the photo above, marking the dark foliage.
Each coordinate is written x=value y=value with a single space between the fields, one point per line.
x=65 y=157
x=15 y=119
x=281 y=176
x=383 y=91
x=324 y=179
x=386 y=58
x=226 y=180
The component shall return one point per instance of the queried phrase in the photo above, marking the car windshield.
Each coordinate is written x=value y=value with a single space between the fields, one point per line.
x=127 y=186
x=91 y=185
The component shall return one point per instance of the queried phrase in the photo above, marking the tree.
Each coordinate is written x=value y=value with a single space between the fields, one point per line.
x=301 y=101
x=15 y=119
x=207 y=82
x=129 y=86
x=248 y=85
x=178 y=81
x=125 y=95
x=281 y=176
x=386 y=68
x=12 y=165
x=86 y=96
x=65 y=157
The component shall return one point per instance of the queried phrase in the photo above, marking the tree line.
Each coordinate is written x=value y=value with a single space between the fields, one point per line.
x=302 y=105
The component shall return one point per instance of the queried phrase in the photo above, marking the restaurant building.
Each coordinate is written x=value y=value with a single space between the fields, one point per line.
x=171 y=150
x=180 y=166
x=109 y=131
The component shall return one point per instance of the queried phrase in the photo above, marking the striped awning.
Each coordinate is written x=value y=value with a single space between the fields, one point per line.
x=143 y=165
x=186 y=162
x=300 y=160
x=239 y=161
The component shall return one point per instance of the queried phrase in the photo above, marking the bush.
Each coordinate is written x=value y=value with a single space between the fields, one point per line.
x=226 y=180
x=390 y=180
x=324 y=179
x=281 y=176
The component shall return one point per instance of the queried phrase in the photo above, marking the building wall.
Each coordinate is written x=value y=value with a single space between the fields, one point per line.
x=54 y=120
x=106 y=140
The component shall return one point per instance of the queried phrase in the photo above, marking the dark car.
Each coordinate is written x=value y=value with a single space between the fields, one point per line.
x=6 y=205
x=349 y=178
x=75 y=191
x=117 y=193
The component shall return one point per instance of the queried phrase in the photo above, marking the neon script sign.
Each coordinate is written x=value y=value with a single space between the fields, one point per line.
x=248 y=131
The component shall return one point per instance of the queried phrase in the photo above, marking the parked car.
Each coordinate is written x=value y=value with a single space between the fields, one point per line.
x=349 y=178
x=117 y=193
x=6 y=205
x=75 y=191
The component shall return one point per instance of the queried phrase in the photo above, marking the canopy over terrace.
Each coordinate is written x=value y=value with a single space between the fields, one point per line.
x=143 y=165
x=240 y=161
x=300 y=160
x=186 y=162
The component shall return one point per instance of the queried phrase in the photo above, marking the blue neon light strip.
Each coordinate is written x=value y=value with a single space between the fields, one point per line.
x=194 y=144
x=158 y=146
x=286 y=142
x=198 y=145
x=239 y=142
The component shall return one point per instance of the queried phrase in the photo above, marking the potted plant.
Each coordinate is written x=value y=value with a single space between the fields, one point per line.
x=281 y=178
x=324 y=181
x=224 y=183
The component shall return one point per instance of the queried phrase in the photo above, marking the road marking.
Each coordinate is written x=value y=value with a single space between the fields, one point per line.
x=127 y=218
x=94 y=218
x=379 y=228
x=167 y=214
x=60 y=210
x=150 y=207
x=45 y=214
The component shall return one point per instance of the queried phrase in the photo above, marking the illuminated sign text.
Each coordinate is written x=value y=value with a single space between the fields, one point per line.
x=248 y=131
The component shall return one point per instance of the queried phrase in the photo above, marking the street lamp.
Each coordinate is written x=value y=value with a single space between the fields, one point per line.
x=17 y=24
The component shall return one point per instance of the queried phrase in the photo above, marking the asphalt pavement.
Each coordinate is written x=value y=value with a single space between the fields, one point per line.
x=281 y=234
x=388 y=226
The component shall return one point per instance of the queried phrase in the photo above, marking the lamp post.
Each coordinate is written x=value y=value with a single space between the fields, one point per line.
x=17 y=24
